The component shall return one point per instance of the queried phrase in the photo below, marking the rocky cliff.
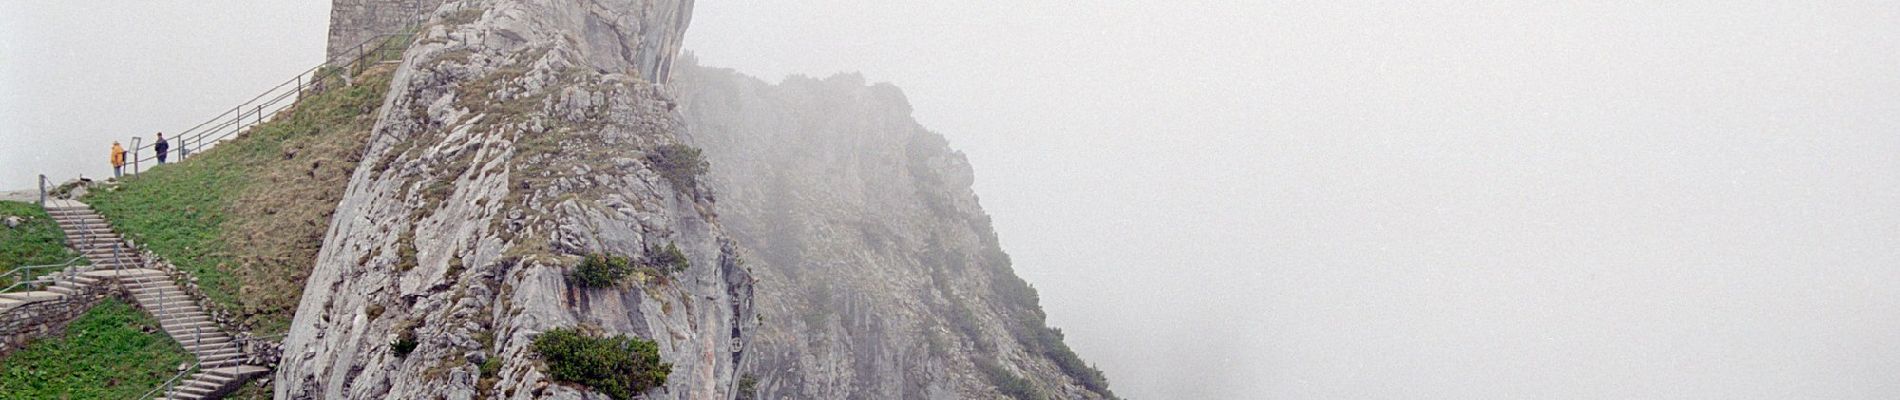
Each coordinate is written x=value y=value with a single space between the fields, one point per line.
x=516 y=137
x=879 y=274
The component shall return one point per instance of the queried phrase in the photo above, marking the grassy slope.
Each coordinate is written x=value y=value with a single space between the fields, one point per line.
x=247 y=217
x=38 y=241
x=110 y=352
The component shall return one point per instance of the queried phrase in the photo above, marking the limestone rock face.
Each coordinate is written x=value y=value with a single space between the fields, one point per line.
x=879 y=274
x=516 y=137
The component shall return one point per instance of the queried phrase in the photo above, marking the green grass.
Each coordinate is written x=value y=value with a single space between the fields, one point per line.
x=37 y=241
x=247 y=217
x=110 y=352
x=177 y=211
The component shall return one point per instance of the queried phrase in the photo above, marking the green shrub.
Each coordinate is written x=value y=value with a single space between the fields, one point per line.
x=491 y=367
x=680 y=164
x=748 y=388
x=668 y=259
x=1007 y=382
x=619 y=366
x=600 y=270
x=404 y=344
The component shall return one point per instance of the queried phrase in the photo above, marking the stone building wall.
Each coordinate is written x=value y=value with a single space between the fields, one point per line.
x=353 y=22
x=43 y=319
x=651 y=30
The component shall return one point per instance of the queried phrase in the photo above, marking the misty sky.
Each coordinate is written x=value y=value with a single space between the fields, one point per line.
x=1257 y=200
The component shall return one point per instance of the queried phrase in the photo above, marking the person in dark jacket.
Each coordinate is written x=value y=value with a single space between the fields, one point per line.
x=161 y=147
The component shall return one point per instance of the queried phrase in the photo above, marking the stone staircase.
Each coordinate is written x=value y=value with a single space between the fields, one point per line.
x=221 y=365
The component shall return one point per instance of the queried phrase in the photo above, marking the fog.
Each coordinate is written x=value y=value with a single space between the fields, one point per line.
x=1264 y=200
x=77 y=75
x=1403 y=200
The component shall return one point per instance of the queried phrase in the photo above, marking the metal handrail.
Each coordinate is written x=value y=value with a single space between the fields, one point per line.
x=257 y=110
x=20 y=272
x=173 y=382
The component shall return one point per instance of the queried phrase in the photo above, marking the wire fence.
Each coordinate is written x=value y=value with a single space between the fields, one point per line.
x=269 y=104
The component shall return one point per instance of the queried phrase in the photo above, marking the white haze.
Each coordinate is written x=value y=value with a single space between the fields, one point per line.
x=1260 y=200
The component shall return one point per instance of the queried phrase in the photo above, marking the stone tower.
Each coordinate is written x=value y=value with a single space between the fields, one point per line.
x=354 y=21
x=654 y=30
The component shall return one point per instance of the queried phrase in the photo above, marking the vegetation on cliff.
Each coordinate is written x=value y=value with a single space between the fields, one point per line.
x=620 y=366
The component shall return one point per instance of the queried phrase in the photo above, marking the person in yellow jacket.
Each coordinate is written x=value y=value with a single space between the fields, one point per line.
x=118 y=160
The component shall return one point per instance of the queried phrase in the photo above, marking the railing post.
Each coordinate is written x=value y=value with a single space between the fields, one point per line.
x=42 y=190
x=134 y=154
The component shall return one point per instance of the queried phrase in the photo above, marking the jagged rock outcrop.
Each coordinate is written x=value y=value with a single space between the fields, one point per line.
x=879 y=274
x=517 y=135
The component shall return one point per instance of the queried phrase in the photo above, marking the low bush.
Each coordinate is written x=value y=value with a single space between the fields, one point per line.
x=748 y=388
x=1009 y=383
x=404 y=344
x=668 y=259
x=601 y=270
x=619 y=366
x=680 y=164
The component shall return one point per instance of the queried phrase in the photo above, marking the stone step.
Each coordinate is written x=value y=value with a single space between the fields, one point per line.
x=89 y=231
x=152 y=288
x=206 y=344
x=231 y=352
x=87 y=241
x=30 y=297
x=124 y=273
x=170 y=307
x=75 y=215
x=82 y=223
x=243 y=371
x=149 y=281
x=184 y=328
x=184 y=318
x=193 y=390
x=103 y=253
x=155 y=292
